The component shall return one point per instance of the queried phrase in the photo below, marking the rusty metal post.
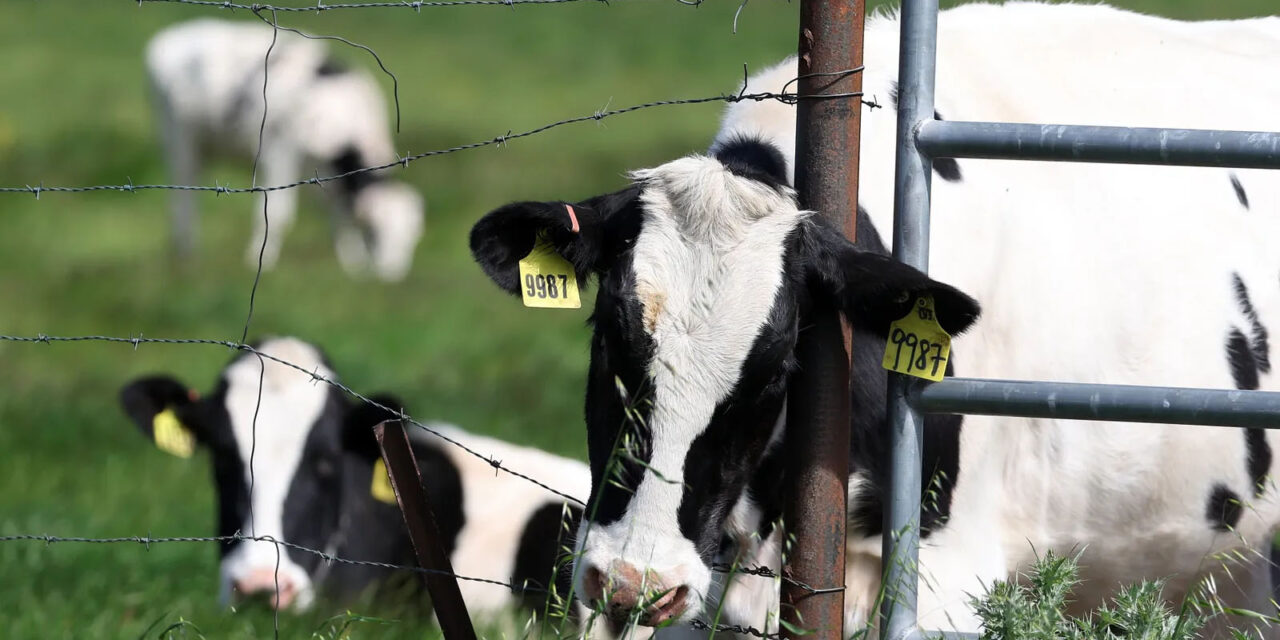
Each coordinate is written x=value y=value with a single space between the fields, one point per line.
x=827 y=134
x=451 y=611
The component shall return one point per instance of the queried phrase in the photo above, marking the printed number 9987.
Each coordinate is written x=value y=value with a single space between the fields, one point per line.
x=917 y=351
x=541 y=286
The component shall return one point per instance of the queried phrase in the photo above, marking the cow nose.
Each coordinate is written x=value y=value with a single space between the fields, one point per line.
x=263 y=582
x=624 y=590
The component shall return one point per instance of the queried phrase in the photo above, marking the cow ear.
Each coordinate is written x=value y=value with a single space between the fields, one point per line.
x=357 y=430
x=165 y=411
x=872 y=288
x=588 y=234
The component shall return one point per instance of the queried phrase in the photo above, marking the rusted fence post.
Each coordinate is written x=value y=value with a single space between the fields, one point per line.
x=827 y=133
x=451 y=611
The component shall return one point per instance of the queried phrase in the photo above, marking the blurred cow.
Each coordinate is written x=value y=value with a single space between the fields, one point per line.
x=207 y=77
x=312 y=484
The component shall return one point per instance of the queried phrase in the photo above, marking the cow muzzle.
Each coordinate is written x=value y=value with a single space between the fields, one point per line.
x=624 y=593
x=277 y=589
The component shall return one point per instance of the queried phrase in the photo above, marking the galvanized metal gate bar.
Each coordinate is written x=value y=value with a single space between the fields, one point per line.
x=920 y=139
x=1076 y=143
x=1111 y=402
x=910 y=245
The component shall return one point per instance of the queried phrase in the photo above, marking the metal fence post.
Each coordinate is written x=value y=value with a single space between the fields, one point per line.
x=446 y=599
x=827 y=135
x=913 y=171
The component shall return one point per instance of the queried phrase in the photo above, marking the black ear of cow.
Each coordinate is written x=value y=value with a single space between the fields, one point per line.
x=872 y=288
x=357 y=432
x=587 y=234
x=145 y=397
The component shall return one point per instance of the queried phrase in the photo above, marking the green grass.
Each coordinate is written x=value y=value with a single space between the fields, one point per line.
x=73 y=110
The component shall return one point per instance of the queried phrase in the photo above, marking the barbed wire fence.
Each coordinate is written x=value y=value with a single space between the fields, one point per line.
x=269 y=14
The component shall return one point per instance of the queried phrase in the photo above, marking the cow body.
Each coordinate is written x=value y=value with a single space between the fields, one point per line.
x=1088 y=273
x=208 y=81
x=312 y=457
x=1102 y=274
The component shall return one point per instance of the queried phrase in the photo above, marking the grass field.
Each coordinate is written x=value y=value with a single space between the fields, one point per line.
x=73 y=111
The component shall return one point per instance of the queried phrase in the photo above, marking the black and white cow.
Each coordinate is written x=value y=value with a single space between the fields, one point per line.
x=313 y=470
x=207 y=79
x=707 y=271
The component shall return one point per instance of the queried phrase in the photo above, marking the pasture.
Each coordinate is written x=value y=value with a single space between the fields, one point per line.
x=74 y=111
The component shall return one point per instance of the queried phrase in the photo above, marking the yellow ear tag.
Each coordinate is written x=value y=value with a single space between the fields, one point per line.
x=917 y=344
x=547 y=279
x=170 y=436
x=381 y=489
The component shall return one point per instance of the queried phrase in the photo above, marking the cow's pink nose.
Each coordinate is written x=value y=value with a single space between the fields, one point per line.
x=264 y=582
x=625 y=590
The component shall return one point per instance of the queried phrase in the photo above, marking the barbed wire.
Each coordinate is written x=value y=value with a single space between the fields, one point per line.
x=320 y=6
x=736 y=628
x=129 y=187
x=147 y=541
x=315 y=376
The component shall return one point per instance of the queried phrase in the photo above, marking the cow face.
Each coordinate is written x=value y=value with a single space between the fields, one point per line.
x=274 y=436
x=707 y=271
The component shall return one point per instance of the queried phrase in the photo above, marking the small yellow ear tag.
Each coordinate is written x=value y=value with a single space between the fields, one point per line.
x=381 y=489
x=917 y=344
x=548 y=279
x=170 y=436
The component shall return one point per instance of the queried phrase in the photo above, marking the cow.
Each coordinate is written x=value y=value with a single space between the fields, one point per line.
x=207 y=79
x=294 y=461
x=707 y=270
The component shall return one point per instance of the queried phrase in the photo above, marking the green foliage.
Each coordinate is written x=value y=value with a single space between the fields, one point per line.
x=1035 y=608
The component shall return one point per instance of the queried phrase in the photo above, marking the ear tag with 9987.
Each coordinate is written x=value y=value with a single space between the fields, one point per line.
x=917 y=345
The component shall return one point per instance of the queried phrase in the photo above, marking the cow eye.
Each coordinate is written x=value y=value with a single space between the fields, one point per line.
x=325 y=467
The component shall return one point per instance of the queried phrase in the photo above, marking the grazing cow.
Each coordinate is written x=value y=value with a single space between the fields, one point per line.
x=1126 y=275
x=207 y=78
x=313 y=468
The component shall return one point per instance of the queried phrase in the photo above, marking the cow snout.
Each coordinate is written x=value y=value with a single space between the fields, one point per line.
x=624 y=590
x=263 y=583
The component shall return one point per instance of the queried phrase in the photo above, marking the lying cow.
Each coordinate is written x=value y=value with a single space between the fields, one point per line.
x=707 y=271
x=312 y=485
x=207 y=78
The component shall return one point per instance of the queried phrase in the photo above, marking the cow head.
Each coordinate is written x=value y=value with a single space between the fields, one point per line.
x=707 y=271
x=286 y=427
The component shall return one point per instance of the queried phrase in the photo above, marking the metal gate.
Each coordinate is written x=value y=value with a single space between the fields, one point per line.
x=920 y=139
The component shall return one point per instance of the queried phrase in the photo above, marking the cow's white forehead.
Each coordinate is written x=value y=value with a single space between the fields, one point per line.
x=708 y=264
x=291 y=402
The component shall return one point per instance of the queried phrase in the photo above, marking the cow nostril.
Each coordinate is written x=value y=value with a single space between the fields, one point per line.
x=670 y=606
x=593 y=584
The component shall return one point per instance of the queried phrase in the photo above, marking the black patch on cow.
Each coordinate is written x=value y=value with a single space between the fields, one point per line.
x=228 y=468
x=1258 y=334
x=767 y=490
x=545 y=553
x=443 y=486
x=755 y=159
x=346 y=163
x=331 y=67
x=947 y=168
x=723 y=459
x=619 y=396
x=312 y=504
x=1259 y=457
x=1240 y=194
x=1244 y=367
x=1224 y=508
